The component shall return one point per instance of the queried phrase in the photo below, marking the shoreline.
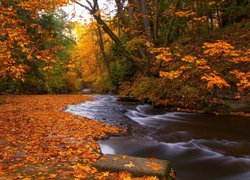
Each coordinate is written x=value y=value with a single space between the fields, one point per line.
x=40 y=140
x=174 y=107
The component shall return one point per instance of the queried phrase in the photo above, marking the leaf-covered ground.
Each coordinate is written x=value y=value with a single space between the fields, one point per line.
x=40 y=141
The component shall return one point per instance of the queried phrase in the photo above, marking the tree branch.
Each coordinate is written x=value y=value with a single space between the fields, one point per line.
x=90 y=4
x=86 y=7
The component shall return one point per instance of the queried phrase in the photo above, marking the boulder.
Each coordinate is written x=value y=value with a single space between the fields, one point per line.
x=134 y=165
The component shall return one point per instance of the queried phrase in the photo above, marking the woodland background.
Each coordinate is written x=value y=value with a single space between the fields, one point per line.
x=183 y=53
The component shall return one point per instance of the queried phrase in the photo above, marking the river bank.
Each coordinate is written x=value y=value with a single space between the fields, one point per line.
x=199 y=146
x=40 y=141
x=236 y=107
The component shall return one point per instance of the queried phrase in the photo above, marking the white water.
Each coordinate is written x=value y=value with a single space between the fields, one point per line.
x=199 y=146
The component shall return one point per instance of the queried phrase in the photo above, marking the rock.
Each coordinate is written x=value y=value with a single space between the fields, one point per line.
x=134 y=165
x=87 y=90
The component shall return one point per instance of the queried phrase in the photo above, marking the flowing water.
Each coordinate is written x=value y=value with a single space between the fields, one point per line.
x=199 y=146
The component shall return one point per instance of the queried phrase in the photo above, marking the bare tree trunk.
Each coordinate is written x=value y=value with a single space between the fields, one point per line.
x=120 y=19
x=93 y=9
x=101 y=44
x=132 y=24
x=171 y=24
x=156 y=20
x=113 y=37
x=120 y=13
x=146 y=20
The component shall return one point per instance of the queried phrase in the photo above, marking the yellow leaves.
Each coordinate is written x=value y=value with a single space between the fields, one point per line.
x=124 y=176
x=219 y=48
x=130 y=164
x=38 y=57
x=52 y=176
x=202 y=64
x=13 y=34
x=83 y=167
x=47 y=68
x=185 y=13
x=163 y=57
x=155 y=166
x=97 y=13
x=200 y=18
x=29 y=57
x=242 y=59
x=48 y=138
x=243 y=79
x=83 y=57
x=171 y=75
x=182 y=68
x=124 y=157
x=149 y=44
x=20 y=44
x=106 y=174
x=163 y=54
x=214 y=80
x=189 y=59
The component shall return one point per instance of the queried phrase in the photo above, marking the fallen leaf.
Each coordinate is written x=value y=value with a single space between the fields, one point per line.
x=130 y=164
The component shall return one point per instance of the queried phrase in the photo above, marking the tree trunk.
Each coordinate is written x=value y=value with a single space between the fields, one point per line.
x=101 y=44
x=113 y=37
x=171 y=24
x=92 y=9
x=156 y=20
x=146 y=20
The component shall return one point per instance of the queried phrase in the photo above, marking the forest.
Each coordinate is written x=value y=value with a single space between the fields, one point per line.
x=180 y=53
x=166 y=79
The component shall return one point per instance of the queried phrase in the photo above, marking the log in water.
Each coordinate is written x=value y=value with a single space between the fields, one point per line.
x=199 y=146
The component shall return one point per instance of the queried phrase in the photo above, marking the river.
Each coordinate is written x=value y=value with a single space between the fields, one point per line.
x=199 y=146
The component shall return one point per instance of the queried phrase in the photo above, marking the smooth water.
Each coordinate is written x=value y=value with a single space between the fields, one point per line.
x=199 y=146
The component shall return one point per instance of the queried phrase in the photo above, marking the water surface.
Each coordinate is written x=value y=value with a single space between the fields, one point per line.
x=199 y=146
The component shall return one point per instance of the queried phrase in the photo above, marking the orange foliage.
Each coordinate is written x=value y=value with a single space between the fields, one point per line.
x=17 y=45
x=203 y=66
x=84 y=57
x=155 y=166
x=38 y=140
x=185 y=13
x=215 y=80
x=244 y=58
x=242 y=78
x=220 y=48
x=190 y=59
x=171 y=74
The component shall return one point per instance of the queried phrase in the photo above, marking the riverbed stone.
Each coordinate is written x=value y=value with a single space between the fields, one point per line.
x=134 y=165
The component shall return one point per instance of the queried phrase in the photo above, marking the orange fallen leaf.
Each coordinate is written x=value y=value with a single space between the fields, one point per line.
x=52 y=175
x=106 y=174
x=155 y=166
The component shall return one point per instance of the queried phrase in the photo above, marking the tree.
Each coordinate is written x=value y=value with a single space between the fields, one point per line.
x=20 y=26
x=93 y=9
x=34 y=45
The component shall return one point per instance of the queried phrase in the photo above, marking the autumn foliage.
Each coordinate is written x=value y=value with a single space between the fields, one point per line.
x=40 y=141
x=19 y=45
